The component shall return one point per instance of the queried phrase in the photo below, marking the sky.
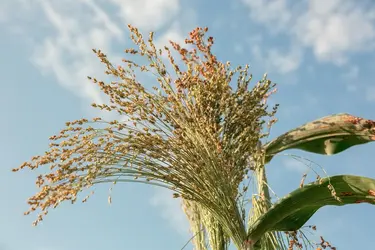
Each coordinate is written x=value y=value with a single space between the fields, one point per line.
x=319 y=52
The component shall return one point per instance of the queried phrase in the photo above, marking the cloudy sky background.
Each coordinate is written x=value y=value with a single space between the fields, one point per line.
x=320 y=53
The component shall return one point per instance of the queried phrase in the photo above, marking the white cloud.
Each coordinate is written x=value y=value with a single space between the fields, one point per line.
x=102 y=17
x=65 y=34
x=65 y=50
x=276 y=60
x=171 y=210
x=332 y=29
x=335 y=28
x=7 y=9
x=148 y=14
x=270 y=12
x=66 y=53
x=174 y=33
x=284 y=62
x=3 y=13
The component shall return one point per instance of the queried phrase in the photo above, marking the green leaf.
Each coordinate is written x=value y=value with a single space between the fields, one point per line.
x=328 y=135
x=294 y=210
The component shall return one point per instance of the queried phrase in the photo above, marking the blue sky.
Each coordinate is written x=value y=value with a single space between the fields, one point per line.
x=320 y=53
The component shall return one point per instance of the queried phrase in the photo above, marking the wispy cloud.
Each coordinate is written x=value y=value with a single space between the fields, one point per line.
x=147 y=14
x=174 y=33
x=171 y=210
x=332 y=29
x=66 y=52
x=278 y=12
x=276 y=60
x=64 y=47
x=7 y=7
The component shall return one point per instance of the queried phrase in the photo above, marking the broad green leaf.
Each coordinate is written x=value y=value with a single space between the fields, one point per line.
x=328 y=135
x=294 y=210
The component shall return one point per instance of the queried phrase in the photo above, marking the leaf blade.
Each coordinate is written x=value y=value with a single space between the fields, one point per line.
x=295 y=209
x=328 y=135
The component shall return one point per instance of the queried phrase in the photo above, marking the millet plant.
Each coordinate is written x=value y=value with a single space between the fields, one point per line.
x=201 y=132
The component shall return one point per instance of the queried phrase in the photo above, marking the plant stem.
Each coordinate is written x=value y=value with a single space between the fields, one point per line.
x=264 y=198
x=263 y=189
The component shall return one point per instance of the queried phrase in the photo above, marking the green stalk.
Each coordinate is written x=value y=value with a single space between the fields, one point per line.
x=262 y=203
x=263 y=190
